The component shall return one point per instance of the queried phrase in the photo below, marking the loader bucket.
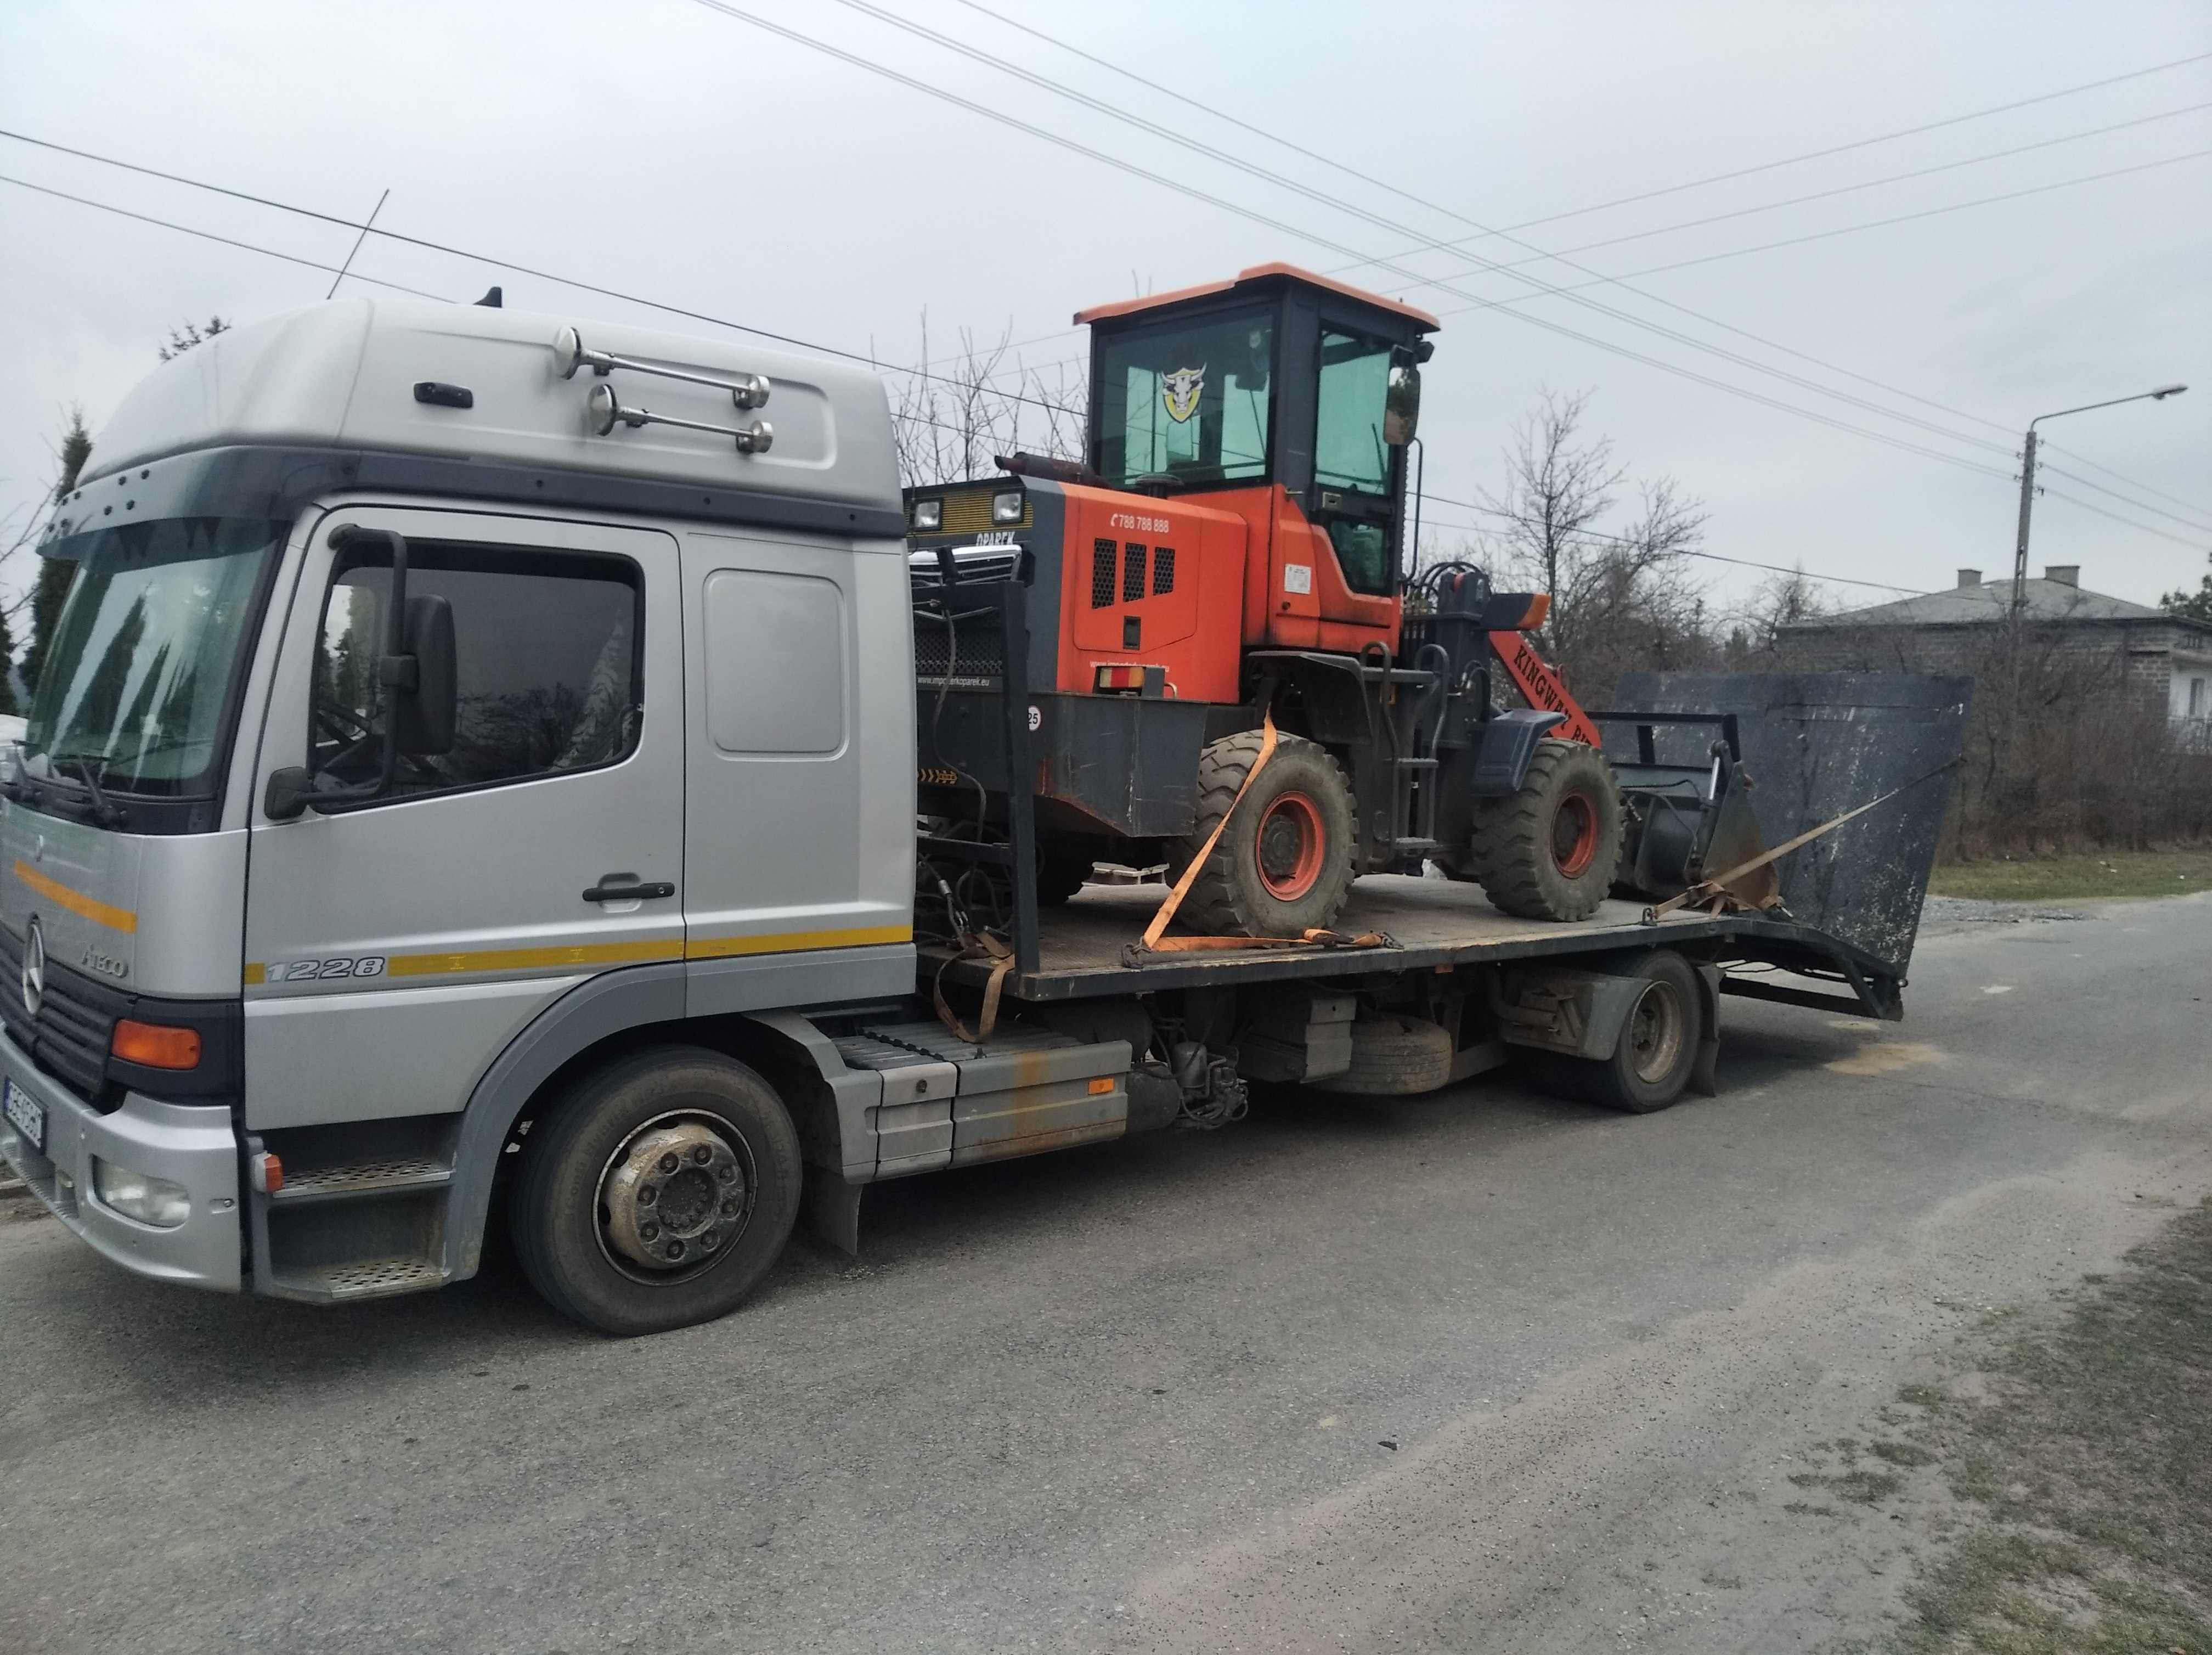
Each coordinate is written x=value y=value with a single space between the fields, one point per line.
x=1815 y=745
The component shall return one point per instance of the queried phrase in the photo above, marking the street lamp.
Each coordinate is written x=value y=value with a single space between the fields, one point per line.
x=2027 y=481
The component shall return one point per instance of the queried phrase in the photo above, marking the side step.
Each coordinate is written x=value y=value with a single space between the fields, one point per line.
x=359 y=1212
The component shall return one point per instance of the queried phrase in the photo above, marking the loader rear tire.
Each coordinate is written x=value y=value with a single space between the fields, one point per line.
x=1550 y=851
x=1285 y=865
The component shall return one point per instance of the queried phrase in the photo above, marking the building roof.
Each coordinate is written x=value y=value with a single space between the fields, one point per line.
x=1254 y=275
x=1989 y=602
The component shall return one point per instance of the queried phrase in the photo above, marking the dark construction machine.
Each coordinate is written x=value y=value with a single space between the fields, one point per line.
x=1210 y=610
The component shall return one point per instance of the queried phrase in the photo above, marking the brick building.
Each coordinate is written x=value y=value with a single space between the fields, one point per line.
x=2163 y=660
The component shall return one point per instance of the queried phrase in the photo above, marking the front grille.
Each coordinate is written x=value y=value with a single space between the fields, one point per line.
x=1101 y=574
x=967 y=511
x=1132 y=573
x=69 y=1038
x=976 y=650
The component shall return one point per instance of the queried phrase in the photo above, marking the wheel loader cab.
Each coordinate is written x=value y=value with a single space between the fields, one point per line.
x=1283 y=402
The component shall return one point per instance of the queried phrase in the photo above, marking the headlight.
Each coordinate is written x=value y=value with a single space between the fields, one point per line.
x=1006 y=508
x=928 y=515
x=138 y=1196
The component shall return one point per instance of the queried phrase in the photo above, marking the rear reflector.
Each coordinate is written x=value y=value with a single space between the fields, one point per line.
x=155 y=1045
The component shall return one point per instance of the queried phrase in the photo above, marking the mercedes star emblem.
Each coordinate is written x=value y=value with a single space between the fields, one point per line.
x=34 y=968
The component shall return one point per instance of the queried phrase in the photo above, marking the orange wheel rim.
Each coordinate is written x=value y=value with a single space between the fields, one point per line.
x=1574 y=835
x=1289 y=847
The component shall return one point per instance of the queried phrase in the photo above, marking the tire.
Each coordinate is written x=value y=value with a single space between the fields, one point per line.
x=581 y=1178
x=1285 y=865
x=1393 y=1056
x=1657 y=1052
x=1550 y=851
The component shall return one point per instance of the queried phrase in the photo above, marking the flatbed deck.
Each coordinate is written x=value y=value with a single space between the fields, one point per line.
x=1083 y=946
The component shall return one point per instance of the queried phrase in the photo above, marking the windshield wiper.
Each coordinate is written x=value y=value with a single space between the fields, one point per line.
x=104 y=814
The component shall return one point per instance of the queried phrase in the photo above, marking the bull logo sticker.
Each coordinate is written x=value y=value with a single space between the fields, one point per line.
x=1180 y=390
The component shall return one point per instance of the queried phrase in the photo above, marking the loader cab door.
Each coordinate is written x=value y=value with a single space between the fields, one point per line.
x=1358 y=474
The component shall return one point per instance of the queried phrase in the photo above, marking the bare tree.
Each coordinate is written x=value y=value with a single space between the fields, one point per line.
x=949 y=418
x=1621 y=598
x=1555 y=489
x=1757 y=640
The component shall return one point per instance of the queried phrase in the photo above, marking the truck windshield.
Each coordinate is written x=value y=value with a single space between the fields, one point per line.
x=143 y=659
x=1190 y=402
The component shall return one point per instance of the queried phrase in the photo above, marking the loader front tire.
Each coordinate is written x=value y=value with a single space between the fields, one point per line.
x=1285 y=865
x=1549 y=851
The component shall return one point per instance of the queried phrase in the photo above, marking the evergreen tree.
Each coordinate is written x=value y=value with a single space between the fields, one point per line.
x=54 y=573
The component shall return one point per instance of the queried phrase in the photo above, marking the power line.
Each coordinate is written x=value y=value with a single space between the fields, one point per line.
x=993 y=60
x=1859 y=143
x=1186 y=100
x=2045 y=466
x=996 y=61
x=1255 y=217
x=1800 y=200
x=2050 y=447
x=210 y=235
x=1852 y=229
x=2194 y=546
x=456 y=253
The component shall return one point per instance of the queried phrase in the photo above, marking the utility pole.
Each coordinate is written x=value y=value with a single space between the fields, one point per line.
x=2016 y=611
x=2020 y=549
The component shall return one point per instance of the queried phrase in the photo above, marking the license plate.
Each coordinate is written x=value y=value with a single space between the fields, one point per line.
x=26 y=1112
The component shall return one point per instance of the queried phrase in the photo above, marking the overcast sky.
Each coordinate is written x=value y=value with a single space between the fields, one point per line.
x=667 y=149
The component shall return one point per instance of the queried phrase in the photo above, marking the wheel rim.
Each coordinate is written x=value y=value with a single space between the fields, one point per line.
x=1656 y=1029
x=1574 y=835
x=674 y=1197
x=1289 y=846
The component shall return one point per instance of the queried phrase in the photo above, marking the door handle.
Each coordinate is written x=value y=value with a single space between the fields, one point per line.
x=625 y=887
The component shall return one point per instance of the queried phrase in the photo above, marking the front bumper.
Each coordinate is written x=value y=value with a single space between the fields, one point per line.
x=194 y=1145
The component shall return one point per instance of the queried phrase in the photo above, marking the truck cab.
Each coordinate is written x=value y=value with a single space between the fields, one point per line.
x=435 y=679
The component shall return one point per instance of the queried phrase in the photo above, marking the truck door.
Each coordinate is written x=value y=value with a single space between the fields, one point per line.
x=800 y=857
x=394 y=946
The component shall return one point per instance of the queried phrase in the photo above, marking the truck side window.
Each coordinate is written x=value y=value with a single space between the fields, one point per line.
x=549 y=666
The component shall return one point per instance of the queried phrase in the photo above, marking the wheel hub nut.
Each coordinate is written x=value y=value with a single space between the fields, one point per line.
x=673 y=1199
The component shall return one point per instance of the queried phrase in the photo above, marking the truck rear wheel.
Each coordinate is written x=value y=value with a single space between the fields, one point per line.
x=1549 y=852
x=657 y=1193
x=1657 y=1049
x=1283 y=866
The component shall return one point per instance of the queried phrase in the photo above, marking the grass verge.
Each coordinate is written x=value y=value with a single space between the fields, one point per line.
x=2085 y=1448
x=2090 y=873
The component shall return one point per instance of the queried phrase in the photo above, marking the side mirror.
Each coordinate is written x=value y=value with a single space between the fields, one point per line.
x=1401 y=404
x=422 y=713
x=288 y=793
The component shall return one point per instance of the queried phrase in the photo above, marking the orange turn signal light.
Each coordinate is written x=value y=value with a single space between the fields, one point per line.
x=155 y=1045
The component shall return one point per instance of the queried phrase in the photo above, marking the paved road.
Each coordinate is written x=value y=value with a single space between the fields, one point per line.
x=1138 y=1397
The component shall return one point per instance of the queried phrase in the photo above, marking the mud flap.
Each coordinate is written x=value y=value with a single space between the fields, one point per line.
x=1705 y=1074
x=830 y=1208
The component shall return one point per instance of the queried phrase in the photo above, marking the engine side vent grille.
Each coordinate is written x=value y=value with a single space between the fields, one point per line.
x=1132 y=573
x=1101 y=574
x=1163 y=569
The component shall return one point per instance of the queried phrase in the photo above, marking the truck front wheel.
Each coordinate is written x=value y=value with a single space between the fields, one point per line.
x=657 y=1192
